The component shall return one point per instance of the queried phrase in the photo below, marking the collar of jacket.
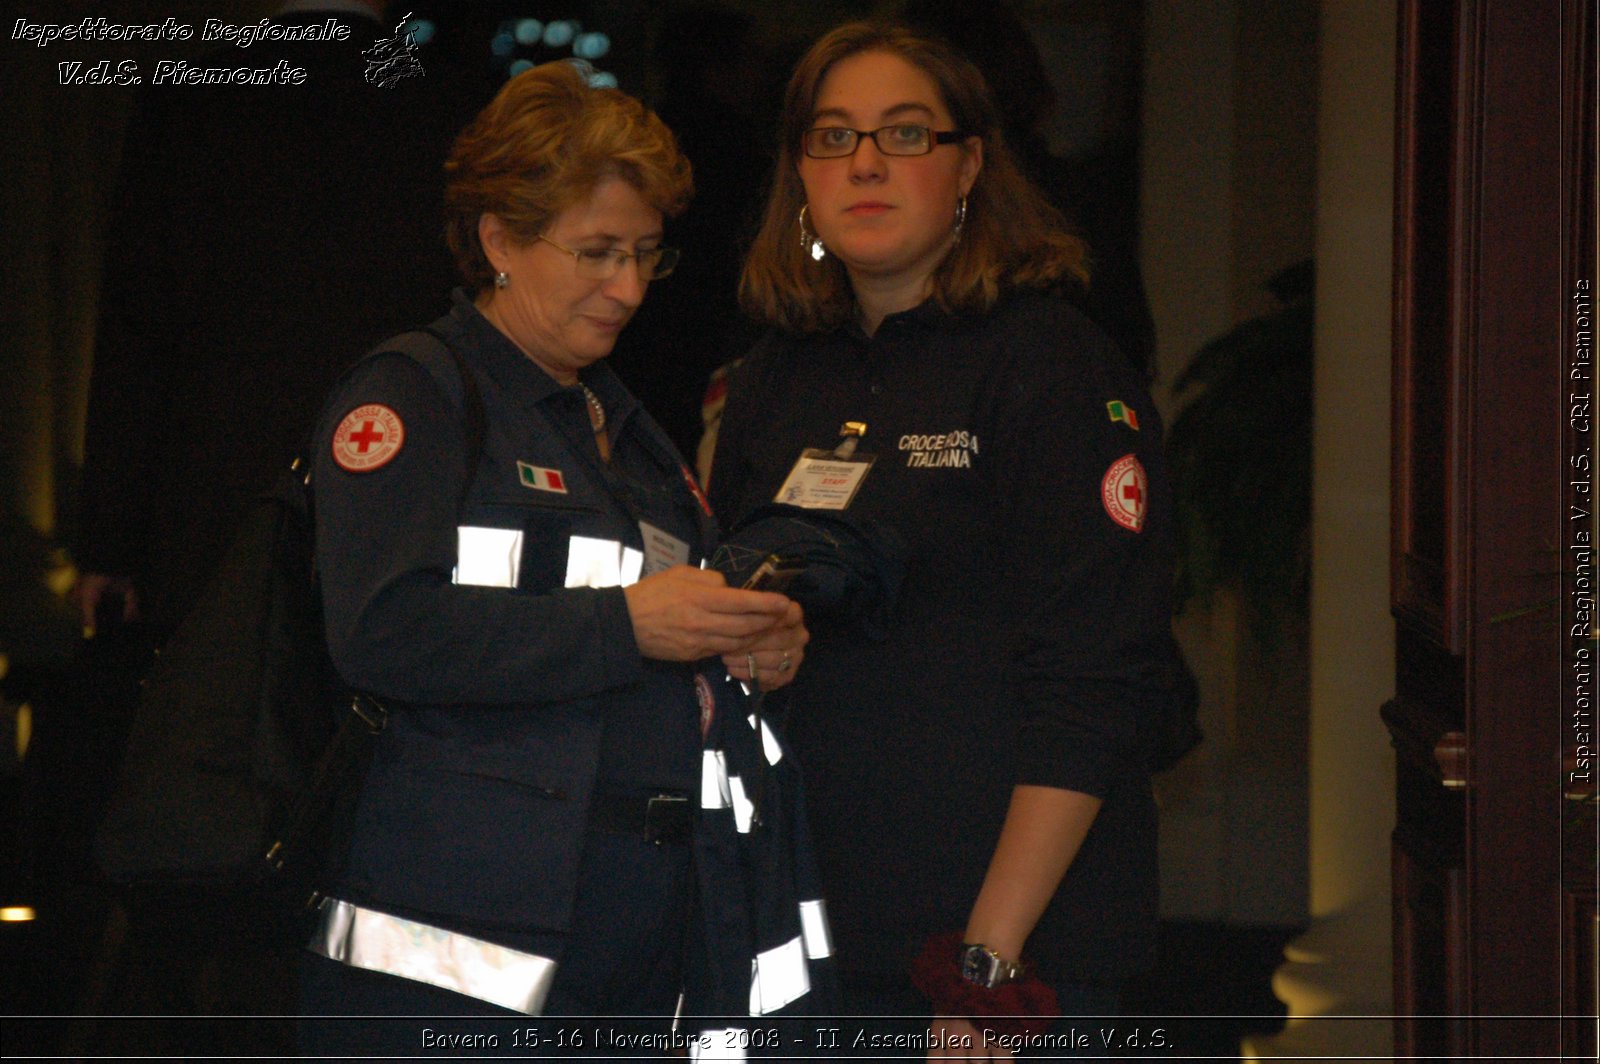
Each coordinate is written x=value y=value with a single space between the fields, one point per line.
x=505 y=361
x=927 y=316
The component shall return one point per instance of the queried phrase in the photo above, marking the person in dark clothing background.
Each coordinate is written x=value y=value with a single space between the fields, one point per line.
x=260 y=235
x=716 y=83
x=256 y=229
x=1097 y=191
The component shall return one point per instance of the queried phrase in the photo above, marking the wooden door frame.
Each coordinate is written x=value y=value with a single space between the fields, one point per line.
x=1488 y=184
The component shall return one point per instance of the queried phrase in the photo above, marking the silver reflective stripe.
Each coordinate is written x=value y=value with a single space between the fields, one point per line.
x=488 y=557
x=769 y=741
x=718 y=790
x=744 y=810
x=814 y=929
x=724 y=1043
x=595 y=562
x=632 y=565
x=778 y=976
x=714 y=793
x=379 y=942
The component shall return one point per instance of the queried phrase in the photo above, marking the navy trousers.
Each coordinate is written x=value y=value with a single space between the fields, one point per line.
x=616 y=984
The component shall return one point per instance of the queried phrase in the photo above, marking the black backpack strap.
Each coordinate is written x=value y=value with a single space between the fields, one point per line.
x=312 y=815
x=424 y=346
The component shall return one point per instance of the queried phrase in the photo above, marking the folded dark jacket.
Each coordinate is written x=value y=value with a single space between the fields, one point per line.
x=853 y=566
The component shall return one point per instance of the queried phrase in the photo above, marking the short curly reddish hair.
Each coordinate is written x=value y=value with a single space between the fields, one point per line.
x=542 y=145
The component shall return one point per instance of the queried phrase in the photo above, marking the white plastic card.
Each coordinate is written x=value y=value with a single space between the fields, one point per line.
x=662 y=550
x=822 y=481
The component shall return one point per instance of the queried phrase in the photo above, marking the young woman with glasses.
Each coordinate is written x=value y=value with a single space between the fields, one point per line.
x=976 y=777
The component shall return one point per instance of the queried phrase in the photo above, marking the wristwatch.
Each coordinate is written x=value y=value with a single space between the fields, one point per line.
x=986 y=968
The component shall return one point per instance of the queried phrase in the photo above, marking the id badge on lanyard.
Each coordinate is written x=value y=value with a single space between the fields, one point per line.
x=828 y=480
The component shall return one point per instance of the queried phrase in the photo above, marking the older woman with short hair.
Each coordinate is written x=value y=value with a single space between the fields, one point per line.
x=508 y=547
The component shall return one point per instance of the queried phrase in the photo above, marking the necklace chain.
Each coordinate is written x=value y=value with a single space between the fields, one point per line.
x=597 y=412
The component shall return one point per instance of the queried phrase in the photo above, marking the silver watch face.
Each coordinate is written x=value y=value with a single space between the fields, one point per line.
x=979 y=966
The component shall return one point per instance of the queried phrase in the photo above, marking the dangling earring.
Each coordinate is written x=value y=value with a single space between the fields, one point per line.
x=502 y=279
x=961 y=218
x=810 y=243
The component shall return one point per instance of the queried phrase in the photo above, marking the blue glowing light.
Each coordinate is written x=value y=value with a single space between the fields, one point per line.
x=600 y=79
x=559 y=34
x=529 y=30
x=591 y=45
x=502 y=44
x=520 y=66
x=421 y=30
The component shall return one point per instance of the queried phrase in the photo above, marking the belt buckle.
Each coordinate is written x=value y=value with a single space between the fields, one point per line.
x=659 y=829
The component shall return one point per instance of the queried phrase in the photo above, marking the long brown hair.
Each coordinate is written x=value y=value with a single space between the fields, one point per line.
x=1012 y=235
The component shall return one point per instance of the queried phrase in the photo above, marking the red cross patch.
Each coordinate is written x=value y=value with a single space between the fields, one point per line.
x=368 y=438
x=1124 y=492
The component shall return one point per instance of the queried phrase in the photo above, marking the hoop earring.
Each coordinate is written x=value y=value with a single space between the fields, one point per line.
x=810 y=243
x=502 y=279
x=961 y=218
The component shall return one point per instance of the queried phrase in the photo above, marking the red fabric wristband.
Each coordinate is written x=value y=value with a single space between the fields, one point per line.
x=1026 y=1006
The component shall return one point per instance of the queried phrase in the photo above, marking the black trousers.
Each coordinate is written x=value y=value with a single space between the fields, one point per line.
x=616 y=985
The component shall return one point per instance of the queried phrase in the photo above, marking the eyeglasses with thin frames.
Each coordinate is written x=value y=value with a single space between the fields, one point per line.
x=836 y=142
x=602 y=264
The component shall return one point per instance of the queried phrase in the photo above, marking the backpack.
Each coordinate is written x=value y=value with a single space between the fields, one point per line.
x=1177 y=725
x=246 y=747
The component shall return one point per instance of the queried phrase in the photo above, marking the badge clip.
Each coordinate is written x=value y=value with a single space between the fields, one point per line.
x=850 y=434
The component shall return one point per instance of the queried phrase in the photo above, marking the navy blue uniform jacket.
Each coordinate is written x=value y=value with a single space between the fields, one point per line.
x=1020 y=460
x=508 y=704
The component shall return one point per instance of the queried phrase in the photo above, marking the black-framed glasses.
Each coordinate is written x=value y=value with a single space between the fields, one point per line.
x=602 y=264
x=835 y=142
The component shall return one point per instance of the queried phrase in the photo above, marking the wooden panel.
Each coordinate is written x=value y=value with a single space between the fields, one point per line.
x=1432 y=227
x=1433 y=240
x=1430 y=955
x=1581 y=992
x=1485 y=170
x=1514 y=350
x=1580 y=929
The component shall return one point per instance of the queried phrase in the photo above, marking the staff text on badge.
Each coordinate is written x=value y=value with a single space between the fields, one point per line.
x=822 y=481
